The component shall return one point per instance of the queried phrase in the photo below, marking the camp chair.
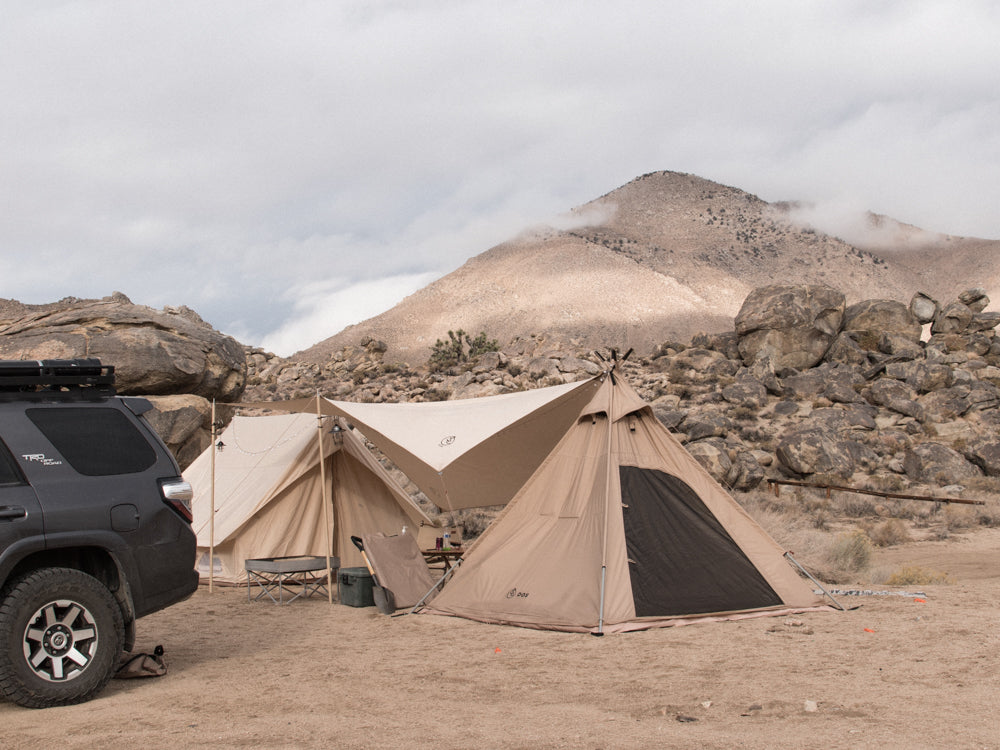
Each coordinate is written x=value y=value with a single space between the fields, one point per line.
x=399 y=566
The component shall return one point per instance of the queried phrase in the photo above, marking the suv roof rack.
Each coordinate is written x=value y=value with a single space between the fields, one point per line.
x=57 y=375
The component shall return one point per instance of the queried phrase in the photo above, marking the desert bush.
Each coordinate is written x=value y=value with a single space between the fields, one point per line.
x=437 y=394
x=742 y=413
x=853 y=505
x=460 y=347
x=890 y=533
x=472 y=521
x=988 y=515
x=958 y=517
x=851 y=551
x=914 y=575
x=885 y=483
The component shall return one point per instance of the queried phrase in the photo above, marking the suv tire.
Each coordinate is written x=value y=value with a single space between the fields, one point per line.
x=61 y=637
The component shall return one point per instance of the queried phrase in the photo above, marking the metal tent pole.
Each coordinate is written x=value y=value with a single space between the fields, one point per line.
x=211 y=516
x=326 y=498
x=607 y=498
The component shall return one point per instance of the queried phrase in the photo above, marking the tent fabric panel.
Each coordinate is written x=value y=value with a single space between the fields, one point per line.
x=539 y=563
x=362 y=504
x=355 y=448
x=258 y=459
x=268 y=532
x=682 y=562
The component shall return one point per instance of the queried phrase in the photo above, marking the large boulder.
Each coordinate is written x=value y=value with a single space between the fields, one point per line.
x=184 y=423
x=154 y=352
x=933 y=463
x=873 y=318
x=794 y=324
x=986 y=455
x=954 y=318
x=923 y=307
x=815 y=450
x=713 y=456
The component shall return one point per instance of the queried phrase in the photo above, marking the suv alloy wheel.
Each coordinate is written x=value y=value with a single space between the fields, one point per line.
x=61 y=635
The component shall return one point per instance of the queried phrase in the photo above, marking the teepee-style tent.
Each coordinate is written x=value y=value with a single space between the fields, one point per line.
x=269 y=494
x=620 y=528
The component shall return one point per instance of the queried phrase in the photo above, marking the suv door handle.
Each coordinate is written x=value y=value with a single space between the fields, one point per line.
x=11 y=512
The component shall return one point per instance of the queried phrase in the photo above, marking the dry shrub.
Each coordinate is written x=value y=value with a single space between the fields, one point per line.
x=472 y=521
x=988 y=515
x=794 y=529
x=958 y=517
x=851 y=551
x=881 y=482
x=914 y=575
x=890 y=533
x=854 y=505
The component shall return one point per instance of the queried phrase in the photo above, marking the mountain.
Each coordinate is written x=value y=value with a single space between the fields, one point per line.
x=663 y=257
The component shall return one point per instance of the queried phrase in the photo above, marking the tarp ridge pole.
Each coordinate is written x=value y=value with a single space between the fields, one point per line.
x=326 y=497
x=211 y=512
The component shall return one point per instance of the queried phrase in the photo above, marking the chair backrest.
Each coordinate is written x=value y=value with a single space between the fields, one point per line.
x=399 y=566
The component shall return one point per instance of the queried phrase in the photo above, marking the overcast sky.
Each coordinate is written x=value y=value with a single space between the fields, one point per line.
x=289 y=168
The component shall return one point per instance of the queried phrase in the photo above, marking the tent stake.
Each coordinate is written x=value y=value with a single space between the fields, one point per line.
x=840 y=606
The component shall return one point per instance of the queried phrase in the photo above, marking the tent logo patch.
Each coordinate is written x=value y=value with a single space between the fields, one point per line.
x=515 y=594
x=446 y=441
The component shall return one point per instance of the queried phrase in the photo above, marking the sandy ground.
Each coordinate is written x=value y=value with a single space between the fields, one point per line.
x=893 y=673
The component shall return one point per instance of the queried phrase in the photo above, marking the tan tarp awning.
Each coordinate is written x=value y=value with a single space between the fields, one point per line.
x=467 y=453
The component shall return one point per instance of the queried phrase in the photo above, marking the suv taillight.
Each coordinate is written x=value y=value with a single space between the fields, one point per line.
x=177 y=493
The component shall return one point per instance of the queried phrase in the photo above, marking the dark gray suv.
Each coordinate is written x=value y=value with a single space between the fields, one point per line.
x=95 y=529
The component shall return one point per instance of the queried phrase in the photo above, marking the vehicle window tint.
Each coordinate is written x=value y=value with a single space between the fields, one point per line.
x=9 y=472
x=95 y=441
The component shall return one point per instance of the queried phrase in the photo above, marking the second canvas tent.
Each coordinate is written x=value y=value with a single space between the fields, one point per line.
x=269 y=494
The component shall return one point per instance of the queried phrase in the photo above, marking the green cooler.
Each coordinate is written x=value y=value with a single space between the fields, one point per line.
x=354 y=587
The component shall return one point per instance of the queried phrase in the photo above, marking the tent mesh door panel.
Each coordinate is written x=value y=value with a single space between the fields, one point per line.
x=683 y=561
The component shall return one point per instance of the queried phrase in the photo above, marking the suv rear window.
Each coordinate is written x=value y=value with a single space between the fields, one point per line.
x=9 y=473
x=95 y=441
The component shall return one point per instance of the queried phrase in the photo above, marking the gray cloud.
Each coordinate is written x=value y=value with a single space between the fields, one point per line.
x=260 y=161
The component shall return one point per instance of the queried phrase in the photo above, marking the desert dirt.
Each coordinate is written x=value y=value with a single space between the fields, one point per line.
x=894 y=672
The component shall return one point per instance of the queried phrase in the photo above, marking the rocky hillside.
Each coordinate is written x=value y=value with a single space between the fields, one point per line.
x=664 y=257
x=880 y=395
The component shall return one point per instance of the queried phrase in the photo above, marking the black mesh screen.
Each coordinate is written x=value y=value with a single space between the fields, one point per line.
x=95 y=441
x=684 y=562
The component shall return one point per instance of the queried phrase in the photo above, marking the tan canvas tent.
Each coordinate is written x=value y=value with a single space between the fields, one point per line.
x=269 y=499
x=621 y=529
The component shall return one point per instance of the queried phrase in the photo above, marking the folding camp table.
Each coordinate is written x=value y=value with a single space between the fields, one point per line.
x=282 y=574
x=442 y=557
